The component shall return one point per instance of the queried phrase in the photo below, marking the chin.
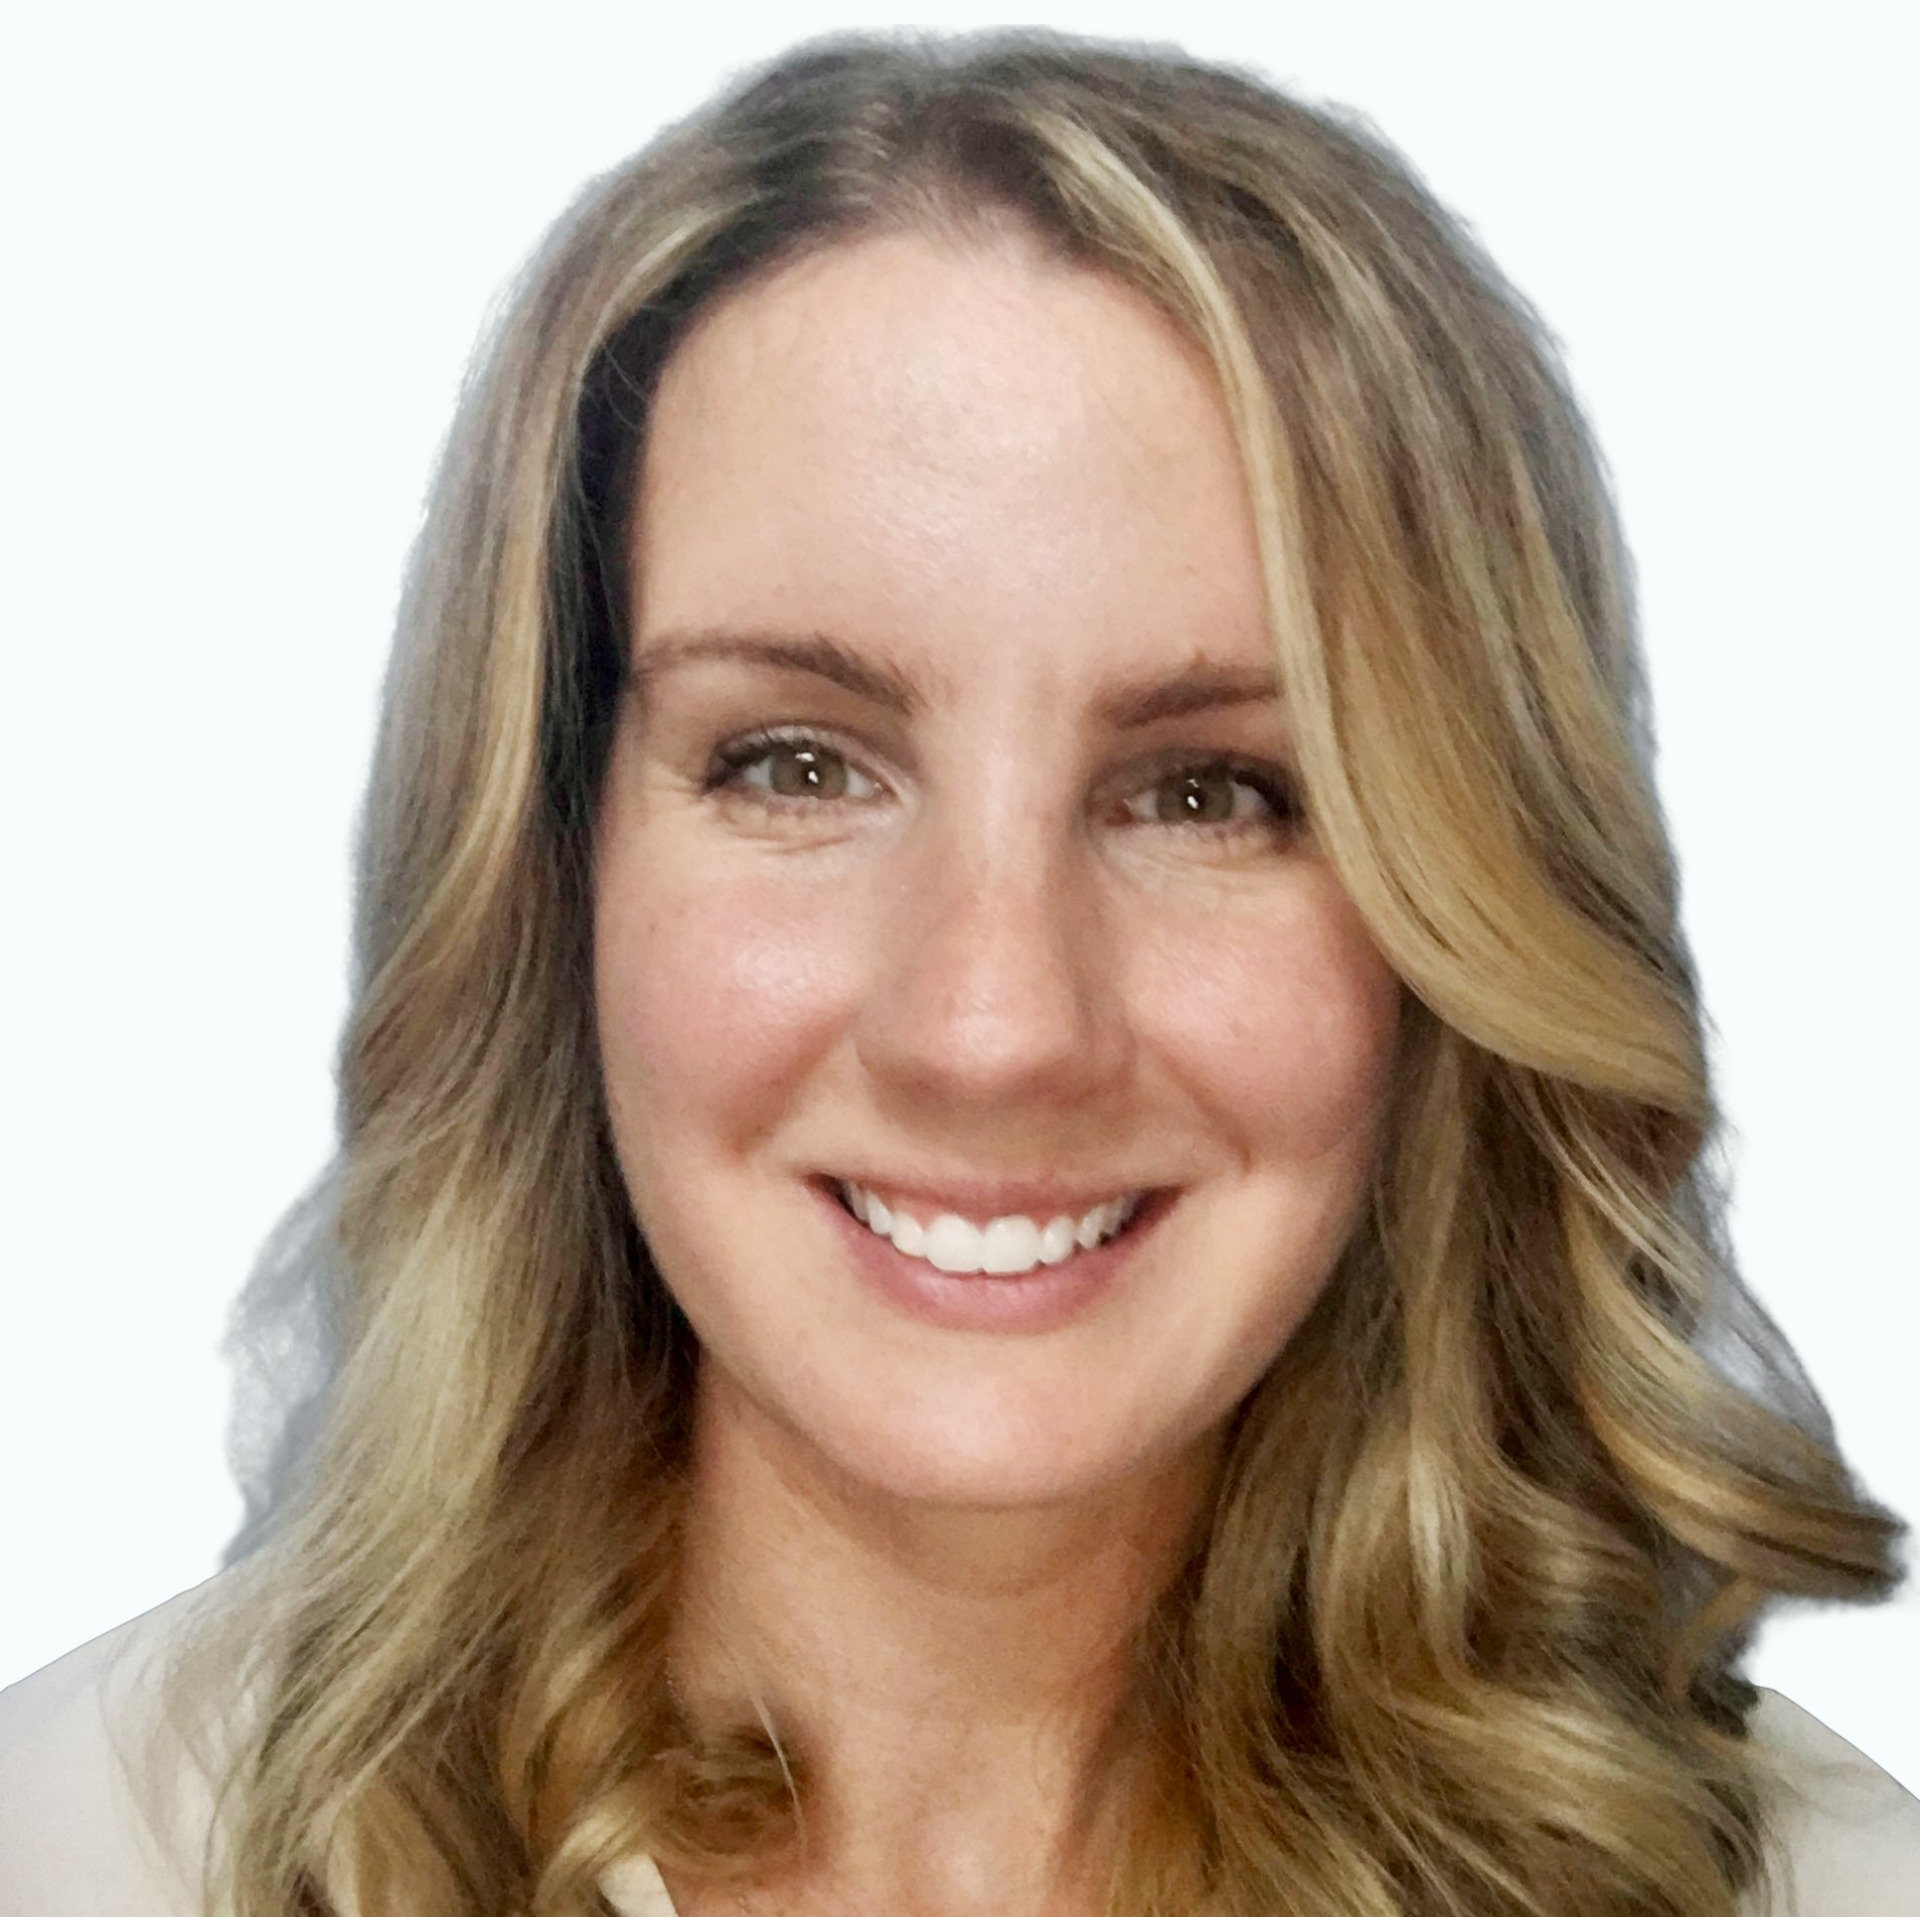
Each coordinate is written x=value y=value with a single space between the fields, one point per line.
x=975 y=1448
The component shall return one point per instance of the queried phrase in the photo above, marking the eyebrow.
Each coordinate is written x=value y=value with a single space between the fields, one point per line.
x=1201 y=686
x=811 y=652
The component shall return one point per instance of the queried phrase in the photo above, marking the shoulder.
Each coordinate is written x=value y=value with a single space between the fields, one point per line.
x=90 y=1822
x=107 y=1803
x=1846 y=1834
x=90 y=1826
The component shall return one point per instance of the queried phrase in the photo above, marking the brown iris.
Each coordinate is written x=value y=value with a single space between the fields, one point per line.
x=804 y=771
x=1203 y=796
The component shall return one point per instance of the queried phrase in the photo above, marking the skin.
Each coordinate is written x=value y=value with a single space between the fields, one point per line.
x=992 y=942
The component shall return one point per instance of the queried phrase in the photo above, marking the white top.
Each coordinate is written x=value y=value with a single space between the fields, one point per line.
x=74 y=1842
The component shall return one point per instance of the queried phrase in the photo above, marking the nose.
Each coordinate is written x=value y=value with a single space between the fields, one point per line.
x=995 y=983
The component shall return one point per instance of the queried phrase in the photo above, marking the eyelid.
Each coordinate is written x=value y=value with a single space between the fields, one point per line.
x=733 y=756
x=1275 y=781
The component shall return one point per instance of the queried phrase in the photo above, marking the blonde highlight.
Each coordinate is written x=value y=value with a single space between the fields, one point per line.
x=1461 y=1634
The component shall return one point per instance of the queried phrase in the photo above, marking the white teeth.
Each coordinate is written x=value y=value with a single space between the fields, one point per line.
x=1057 y=1242
x=955 y=1245
x=1006 y=1247
x=1010 y=1244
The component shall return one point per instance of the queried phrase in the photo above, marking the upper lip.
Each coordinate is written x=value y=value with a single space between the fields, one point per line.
x=981 y=1200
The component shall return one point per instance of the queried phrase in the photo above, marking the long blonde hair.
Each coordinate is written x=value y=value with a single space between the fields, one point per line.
x=1461 y=1633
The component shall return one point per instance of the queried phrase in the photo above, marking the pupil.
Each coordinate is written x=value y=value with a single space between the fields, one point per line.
x=800 y=771
x=1202 y=797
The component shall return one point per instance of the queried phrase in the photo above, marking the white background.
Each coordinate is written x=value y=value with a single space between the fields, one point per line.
x=248 y=250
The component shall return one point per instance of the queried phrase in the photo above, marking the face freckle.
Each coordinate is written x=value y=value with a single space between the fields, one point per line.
x=917 y=508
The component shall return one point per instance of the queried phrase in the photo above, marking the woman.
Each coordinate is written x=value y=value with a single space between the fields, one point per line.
x=1022 y=1221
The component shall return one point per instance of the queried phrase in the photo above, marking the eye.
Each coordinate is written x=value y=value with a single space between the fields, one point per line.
x=1218 y=795
x=778 y=767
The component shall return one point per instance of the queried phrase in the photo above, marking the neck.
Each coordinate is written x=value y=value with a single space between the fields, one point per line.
x=955 y=1676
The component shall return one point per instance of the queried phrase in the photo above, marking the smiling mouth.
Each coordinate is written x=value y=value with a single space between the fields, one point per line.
x=1008 y=1247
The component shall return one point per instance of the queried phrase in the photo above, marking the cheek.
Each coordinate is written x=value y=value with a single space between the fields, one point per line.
x=1281 y=1022
x=712 y=993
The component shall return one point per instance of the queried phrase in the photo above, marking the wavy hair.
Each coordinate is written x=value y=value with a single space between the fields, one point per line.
x=1460 y=1635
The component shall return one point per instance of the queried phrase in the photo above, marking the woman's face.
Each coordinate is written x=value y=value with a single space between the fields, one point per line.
x=946 y=852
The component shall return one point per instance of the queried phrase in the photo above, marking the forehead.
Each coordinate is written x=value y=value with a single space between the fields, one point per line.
x=949 y=443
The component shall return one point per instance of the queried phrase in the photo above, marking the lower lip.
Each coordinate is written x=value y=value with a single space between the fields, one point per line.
x=1037 y=1300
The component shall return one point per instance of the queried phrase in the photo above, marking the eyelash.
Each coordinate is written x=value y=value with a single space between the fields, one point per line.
x=1276 y=787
